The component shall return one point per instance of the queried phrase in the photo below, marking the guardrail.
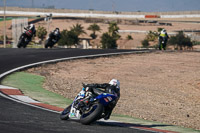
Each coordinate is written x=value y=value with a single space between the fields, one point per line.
x=97 y=14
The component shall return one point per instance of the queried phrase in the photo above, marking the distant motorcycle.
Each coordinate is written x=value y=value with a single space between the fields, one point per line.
x=53 y=38
x=24 y=39
x=92 y=110
x=50 y=42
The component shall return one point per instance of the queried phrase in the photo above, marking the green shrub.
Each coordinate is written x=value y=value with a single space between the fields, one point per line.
x=2 y=38
x=108 y=42
x=68 y=38
x=152 y=36
x=181 y=41
x=129 y=37
x=145 y=43
x=41 y=33
x=94 y=28
x=109 y=39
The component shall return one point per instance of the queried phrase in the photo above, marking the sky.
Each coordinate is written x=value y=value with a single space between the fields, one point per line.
x=112 y=5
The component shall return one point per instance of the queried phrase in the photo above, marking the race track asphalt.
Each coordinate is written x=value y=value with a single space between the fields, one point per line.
x=20 y=118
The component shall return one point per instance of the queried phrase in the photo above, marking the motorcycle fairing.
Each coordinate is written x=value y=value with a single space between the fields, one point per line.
x=105 y=98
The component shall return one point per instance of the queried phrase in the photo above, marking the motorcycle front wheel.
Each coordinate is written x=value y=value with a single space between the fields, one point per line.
x=46 y=44
x=92 y=114
x=49 y=44
x=65 y=113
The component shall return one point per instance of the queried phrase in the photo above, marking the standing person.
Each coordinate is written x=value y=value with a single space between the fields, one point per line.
x=163 y=38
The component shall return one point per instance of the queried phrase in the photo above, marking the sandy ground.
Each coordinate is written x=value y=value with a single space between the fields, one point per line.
x=159 y=86
x=123 y=42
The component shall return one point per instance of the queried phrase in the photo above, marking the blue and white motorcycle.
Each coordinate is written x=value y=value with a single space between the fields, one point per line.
x=89 y=109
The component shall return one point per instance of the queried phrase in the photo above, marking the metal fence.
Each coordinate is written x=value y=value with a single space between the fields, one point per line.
x=17 y=29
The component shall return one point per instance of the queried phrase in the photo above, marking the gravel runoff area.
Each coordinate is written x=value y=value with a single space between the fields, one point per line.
x=159 y=86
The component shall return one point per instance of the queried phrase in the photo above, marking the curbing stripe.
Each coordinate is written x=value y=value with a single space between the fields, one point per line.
x=24 y=99
x=51 y=107
x=22 y=102
x=11 y=91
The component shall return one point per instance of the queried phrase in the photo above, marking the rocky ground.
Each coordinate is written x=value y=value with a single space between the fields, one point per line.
x=159 y=86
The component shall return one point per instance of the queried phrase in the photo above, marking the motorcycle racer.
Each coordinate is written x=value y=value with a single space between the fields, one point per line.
x=55 y=36
x=113 y=87
x=163 y=38
x=27 y=35
x=30 y=30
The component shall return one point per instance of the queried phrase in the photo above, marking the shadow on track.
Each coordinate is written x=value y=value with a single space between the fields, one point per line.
x=134 y=126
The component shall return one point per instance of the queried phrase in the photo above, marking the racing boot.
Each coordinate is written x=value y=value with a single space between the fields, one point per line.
x=107 y=115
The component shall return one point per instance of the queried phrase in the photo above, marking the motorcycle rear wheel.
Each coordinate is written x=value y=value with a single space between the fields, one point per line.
x=22 y=43
x=19 y=45
x=93 y=114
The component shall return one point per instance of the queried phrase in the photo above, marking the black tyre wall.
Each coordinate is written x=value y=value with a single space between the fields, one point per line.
x=93 y=116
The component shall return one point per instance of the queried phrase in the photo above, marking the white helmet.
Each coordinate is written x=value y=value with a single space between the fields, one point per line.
x=32 y=26
x=163 y=31
x=115 y=82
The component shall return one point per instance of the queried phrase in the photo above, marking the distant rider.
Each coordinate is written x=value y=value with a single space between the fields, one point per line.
x=53 y=38
x=163 y=38
x=55 y=35
x=29 y=31
x=113 y=87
